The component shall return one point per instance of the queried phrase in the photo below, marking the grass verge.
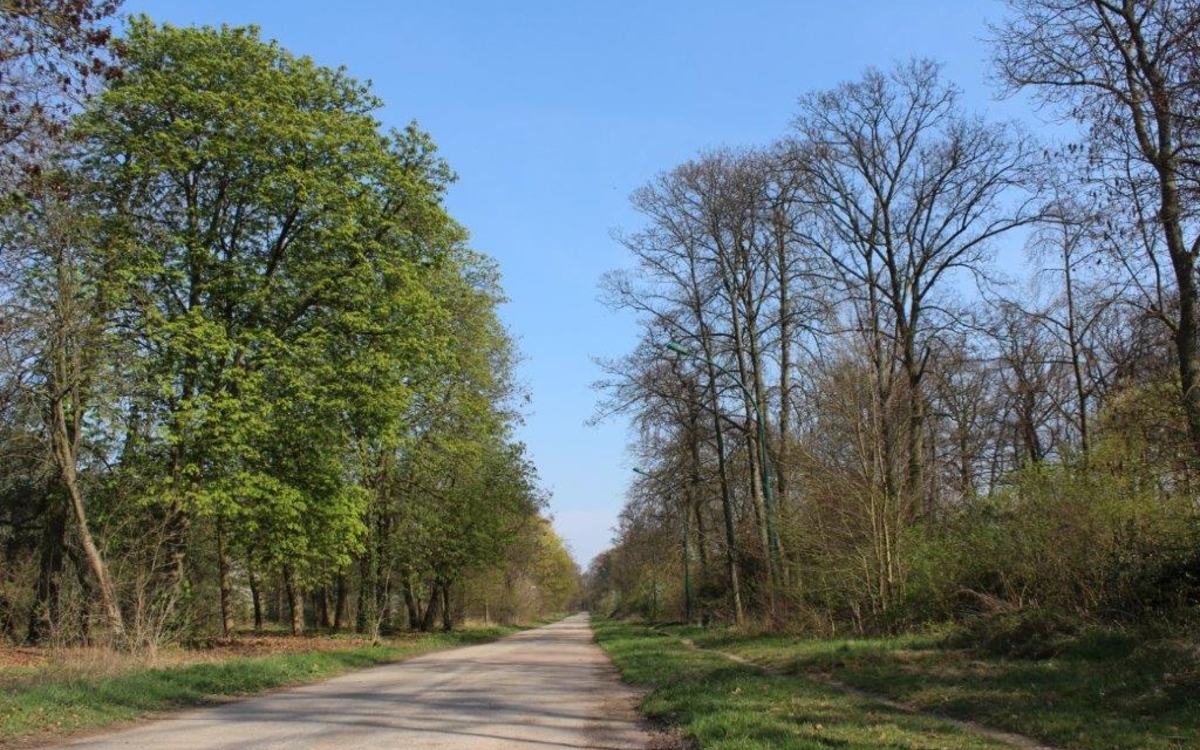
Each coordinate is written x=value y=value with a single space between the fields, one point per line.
x=34 y=707
x=722 y=705
x=1098 y=691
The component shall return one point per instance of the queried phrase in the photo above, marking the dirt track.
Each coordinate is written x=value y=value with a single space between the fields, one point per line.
x=551 y=687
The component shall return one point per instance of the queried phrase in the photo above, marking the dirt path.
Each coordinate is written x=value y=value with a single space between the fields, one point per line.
x=549 y=688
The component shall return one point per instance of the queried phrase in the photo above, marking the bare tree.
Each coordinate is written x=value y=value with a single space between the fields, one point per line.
x=1126 y=69
x=1033 y=385
x=52 y=55
x=59 y=298
x=964 y=394
x=1085 y=296
x=911 y=192
x=722 y=270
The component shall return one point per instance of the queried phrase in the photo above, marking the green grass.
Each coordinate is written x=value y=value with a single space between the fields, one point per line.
x=722 y=705
x=33 y=707
x=1099 y=691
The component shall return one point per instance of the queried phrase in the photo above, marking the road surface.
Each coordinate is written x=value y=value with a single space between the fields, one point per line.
x=545 y=688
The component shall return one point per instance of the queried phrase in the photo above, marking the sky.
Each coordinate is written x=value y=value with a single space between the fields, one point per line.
x=553 y=112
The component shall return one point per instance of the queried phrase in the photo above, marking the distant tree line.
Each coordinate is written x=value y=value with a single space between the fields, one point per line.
x=250 y=371
x=860 y=423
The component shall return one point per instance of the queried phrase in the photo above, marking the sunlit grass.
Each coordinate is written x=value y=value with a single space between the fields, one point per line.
x=728 y=706
x=1101 y=691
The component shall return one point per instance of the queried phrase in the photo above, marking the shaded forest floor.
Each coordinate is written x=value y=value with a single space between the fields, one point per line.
x=1099 y=690
x=47 y=695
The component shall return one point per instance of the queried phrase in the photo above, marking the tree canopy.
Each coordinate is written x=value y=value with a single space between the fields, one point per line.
x=285 y=364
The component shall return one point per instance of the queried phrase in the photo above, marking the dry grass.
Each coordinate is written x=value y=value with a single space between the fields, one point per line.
x=48 y=695
x=24 y=665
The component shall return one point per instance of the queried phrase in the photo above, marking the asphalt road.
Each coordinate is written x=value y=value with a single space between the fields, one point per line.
x=545 y=688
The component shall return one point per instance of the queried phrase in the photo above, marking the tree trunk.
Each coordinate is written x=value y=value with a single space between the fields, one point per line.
x=384 y=604
x=341 y=609
x=1186 y=346
x=731 y=545
x=694 y=483
x=227 y=623
x=431 y=610
x=762 y=439
x=86 y=585
x=256 y=596
x=1165 y=151
x=171 y=574
x=64 y=454
x=360 y=617
x=782 y=487
x=295 y=601
x=412 y=603
x=447 y=614
x=43 y=616
x=323 y=608
x=762 y=520
x=1075 y=342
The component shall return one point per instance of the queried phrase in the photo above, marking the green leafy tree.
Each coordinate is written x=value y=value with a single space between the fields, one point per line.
x=457 y=486
x=275 y=241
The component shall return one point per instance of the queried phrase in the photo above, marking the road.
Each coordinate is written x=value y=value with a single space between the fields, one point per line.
x=548 y=688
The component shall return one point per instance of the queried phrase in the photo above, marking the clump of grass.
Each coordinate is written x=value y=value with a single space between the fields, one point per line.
x=1068 y=684
x=729 y=706
x=1030 y=633
x=62 y=700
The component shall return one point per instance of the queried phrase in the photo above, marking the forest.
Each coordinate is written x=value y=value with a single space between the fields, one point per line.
x=252 y=374
x=855 y=414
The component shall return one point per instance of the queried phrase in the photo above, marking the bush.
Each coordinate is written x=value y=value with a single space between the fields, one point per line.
x=1088 y=543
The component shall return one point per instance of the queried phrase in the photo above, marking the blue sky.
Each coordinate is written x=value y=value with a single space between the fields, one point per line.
x=552 y=112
